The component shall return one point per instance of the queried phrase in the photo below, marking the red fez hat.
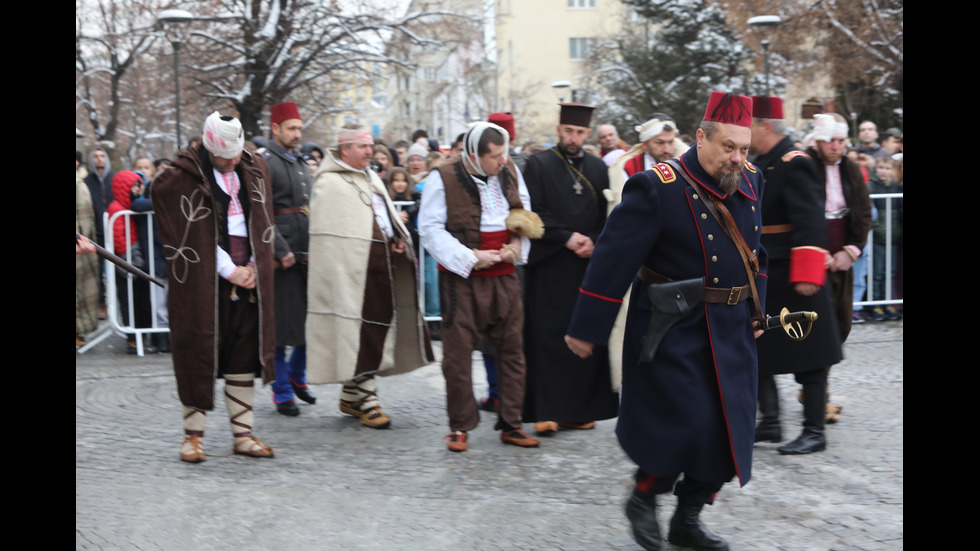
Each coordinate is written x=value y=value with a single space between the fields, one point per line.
x=767 y=107
x=505 y=121
x=729 y=108
x=576 y=114
x=284 y=111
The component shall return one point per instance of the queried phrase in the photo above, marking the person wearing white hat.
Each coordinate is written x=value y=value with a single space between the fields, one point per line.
x=847 y=210
x=363 y=315
x=469 y=221
x=795 y=236
x=658 y=143
x=214 y=211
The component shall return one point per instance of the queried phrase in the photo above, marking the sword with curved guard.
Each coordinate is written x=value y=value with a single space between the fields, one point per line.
x=791 y=322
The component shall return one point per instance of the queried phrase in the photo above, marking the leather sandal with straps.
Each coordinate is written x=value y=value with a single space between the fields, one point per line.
x=373 y=418
x=246 y=444
x=192 y=450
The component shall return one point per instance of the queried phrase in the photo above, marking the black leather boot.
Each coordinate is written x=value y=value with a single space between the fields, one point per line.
x=768 y=429
x=809 y=441
x=303 y=393
x=813 y=438
x=687 y=530
x=641 y=510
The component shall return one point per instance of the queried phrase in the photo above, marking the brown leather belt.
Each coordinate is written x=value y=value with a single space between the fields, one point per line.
x=777 y=228
x=305 y=209
x=717 y=295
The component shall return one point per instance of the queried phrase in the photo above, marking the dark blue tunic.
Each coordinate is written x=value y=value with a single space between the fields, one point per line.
x=692 y=410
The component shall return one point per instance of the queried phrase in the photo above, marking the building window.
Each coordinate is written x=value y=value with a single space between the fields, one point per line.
x=581 y=4
x=579 y=47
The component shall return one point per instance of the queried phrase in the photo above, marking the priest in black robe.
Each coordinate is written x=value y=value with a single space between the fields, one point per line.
x=565 y=184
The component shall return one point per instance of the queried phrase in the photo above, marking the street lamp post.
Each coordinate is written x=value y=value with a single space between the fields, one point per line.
x=764 y=22
x=765 y=62
x=559 y=86
x=175 y=17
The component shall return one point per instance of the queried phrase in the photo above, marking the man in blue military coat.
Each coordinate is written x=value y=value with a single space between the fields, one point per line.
x=691 y=410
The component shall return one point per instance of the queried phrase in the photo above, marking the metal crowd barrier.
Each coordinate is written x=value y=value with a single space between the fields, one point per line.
x=420 y=256
x=113 y=281
x=888 y=213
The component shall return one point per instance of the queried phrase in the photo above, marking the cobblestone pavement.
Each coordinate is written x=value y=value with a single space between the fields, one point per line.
x=334 y=485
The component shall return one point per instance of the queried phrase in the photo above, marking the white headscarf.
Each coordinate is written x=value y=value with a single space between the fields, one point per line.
x=471 y=144
x=654 y=127
x=826 y=128
x=223 y=136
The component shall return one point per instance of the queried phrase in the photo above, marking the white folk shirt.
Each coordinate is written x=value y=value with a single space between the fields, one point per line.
x=835 y=192
x=446 y=249
x=836 y=202
x=230 y=184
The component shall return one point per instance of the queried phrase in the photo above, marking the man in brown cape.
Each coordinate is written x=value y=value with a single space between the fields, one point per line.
x=214 y=210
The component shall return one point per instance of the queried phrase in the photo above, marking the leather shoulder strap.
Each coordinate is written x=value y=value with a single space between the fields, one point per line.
x=718 y=209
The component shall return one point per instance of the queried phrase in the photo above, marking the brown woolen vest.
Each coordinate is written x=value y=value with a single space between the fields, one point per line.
x=463 y=208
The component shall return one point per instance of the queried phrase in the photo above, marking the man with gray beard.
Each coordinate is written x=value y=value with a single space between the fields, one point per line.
x=688 y=407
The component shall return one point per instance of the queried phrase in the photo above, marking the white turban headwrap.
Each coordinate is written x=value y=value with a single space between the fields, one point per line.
x=359 y=135
x=223 y=136
x=654 y=127
x=826 y=128
x=471 y=144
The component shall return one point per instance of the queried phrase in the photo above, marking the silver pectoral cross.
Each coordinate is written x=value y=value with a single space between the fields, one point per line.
x=577 y=187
